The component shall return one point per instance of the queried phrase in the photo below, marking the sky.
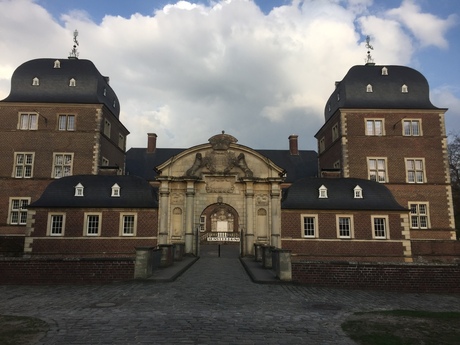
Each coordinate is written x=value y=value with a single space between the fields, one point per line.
x=259 y=70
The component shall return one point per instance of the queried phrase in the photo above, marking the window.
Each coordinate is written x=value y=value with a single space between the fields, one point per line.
x=358 y=192
x=321 y=145
x=66 y=122
x=336 y=164
x=344 y=226
x=121 y=141
x=93 y=224
x=28 y=121
x=62 y=164
x=57 y=64
x=380 y=227
x=115 y=190
x=72 y=82
x=128 y=224
x=419 y=218
x=335 y=132
x=377 y=169
x=322 y=192
x=374 y=127
x=79 y=190
x=369 y=88
x=56 y=224
x=18 y=211
x=23 y=164
x=411 y=128
x=107 y=128
x=309 y=226
x=105 y=162
x=35 y=82
x=404 y=89
x=202 y=223
x=105 y=92
x=384 y=71
x=414 y=170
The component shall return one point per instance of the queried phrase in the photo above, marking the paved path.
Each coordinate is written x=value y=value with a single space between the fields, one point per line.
x=214 y=302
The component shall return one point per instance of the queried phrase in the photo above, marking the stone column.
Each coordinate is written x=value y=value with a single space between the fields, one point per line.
x=163 y=214
x=189 y=212
x=249 y=235
x=276 y=216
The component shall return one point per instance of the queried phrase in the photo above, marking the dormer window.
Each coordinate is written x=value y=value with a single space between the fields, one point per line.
x=79 y=189
x=358 y=192
x=404 y=89
x=35 y=82
x=114 y=104
x=329 y=107
x=57 y=64
x=322 y=192
x=384 y=71
x=105 y=92
x=115 y=191
x=72 y=82
x=369 y=88
x=338 y=97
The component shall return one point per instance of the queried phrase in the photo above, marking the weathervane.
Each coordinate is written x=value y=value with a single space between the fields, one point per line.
x=369 y=60
x=74 y=53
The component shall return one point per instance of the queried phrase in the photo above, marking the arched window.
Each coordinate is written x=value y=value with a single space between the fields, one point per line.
x=404 y=89
x=72 y=82
x=369 y=88
x=57 y=64
x=384 y=71
x=35 y=81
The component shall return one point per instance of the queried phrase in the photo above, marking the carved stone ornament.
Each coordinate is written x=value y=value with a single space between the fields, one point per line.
x=177 y=198
x=220 y=185
x=262 y=199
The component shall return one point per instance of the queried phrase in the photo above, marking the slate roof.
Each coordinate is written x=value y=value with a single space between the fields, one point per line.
x=386 y=90
x=140 y=163
x=304 y=194
x=54 y=84
x=135 y=192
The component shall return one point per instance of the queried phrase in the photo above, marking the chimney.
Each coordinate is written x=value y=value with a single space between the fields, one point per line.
x=151 y=142
x=293 y=145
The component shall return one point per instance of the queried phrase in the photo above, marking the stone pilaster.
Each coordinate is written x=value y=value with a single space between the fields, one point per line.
x=189 y=212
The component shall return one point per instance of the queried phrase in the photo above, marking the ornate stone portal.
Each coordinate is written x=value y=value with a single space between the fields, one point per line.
x=239 y=177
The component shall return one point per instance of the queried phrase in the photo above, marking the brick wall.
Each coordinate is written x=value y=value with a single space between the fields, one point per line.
x=59 y=271
x=395 y=277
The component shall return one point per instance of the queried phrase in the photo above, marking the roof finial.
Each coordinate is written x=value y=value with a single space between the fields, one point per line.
x=369 y=60
x=74 y=53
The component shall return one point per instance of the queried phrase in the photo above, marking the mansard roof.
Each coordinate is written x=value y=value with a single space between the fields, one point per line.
x=386 y=86
x=141 y=163
x=135 y=192
x=304 y=194
x=53 y=78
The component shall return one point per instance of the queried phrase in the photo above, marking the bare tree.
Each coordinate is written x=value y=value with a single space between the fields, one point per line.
x=453 y=151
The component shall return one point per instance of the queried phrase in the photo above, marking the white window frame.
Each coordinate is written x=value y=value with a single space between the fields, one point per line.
x=404 y=88
x=28 y=121
x=115 y=191
x=23 y=167
x=51 y=216
x=121 y=141
x=418 y=215
x=79 y=190
x=378 y=169
x=322 y=192
x=72 y=82
x=57 y=64
x=336 y=164
x=351 y=225
x=104 y=162
x=369 y=88
x=87 y=223
x=68 y=124
x=335 y=132
x=375 y=231
x=35 y=82
x=20 y=211
x=372 y=130
x=66 y=168
x=358 y=192
x=123 y=216
x=107 y=128
x=202 y=223
x=322 y=144
x=418 y=173
x=384 y=71
x=304 y=230
x=411 y=132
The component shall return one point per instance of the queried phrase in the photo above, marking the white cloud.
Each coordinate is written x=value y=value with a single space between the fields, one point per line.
x=190 y=71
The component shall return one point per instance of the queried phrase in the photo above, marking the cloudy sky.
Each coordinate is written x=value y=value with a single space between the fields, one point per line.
x=258 y=69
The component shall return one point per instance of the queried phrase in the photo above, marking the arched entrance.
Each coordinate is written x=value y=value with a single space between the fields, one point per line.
x=219 y=228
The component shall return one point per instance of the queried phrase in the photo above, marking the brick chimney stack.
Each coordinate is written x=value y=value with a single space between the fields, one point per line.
x=293 y=145
x=151 y=142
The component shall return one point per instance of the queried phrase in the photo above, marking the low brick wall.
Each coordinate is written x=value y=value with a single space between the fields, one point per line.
x=20 y=271
x=395 y=277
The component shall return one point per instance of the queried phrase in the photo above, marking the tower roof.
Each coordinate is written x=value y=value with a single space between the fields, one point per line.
x=385 y=92
x=49 y=81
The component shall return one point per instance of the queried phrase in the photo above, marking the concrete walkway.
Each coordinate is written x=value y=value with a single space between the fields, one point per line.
x=213 y=302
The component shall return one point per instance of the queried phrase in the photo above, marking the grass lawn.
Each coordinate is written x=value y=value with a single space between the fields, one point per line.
x=404 y=327
x=21 y=330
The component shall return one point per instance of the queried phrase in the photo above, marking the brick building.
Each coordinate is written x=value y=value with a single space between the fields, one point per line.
x=378 y=190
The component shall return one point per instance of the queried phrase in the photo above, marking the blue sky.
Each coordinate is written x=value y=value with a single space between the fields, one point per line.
x=260 y=70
